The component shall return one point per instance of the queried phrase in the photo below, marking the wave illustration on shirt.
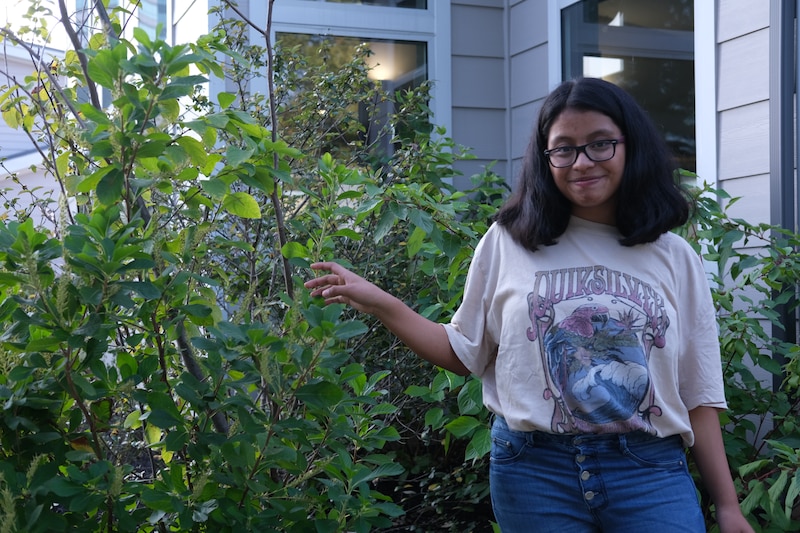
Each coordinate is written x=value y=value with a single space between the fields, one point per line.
x=597 y=363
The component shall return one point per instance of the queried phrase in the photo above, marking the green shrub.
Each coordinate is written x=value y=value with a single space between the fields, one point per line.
x=161 y=370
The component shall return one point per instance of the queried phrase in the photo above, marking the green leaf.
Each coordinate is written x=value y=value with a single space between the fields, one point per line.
x=215 y=187
x=753 y=499
x=64 y=487
x=470 y=398
x=322 y=395
x=226 y=99
x=348 y=330
x=110 y=187
x=242 y=205
x=480 y=445
x=236 y=156
x=145 y=289
x=778 y=486
x=463 y=426
x=89 y=183
x=792 y=493
x=385 y=224
x=415 y=241
x=364 y=474
x=294 y=249
x=194 y=148
x=433 y=417
x=104 y=69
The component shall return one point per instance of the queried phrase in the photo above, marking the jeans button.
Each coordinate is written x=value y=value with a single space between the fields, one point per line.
x=580 y=458
x=585 y=475
x=589 y=495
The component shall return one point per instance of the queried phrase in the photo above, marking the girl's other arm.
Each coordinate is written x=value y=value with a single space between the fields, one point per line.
x=424 y=337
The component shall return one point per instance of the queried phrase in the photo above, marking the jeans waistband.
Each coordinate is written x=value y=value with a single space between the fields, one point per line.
x=572 y=439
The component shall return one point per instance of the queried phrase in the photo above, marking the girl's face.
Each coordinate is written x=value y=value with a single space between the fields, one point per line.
x=591 y=187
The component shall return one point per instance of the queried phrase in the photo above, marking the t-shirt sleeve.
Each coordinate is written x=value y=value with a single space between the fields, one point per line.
x=700 y=369
x=469 y=331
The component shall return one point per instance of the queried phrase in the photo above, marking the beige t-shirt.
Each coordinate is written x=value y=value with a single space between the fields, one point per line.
x=589 y=336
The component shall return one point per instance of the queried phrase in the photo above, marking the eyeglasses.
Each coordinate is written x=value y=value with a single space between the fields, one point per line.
x=597 y=151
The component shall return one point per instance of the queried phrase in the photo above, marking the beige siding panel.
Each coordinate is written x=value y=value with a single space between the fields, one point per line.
x=529 y=76
x=528 y=27
x=478 y=82
x=477 y=31
x=14 y=142
x=744 y=142
x=473 y=167
x=754 y=192
x=740 y=17
x=743 y=70
x=522 y=124
x=479 y=3
x=483 y=130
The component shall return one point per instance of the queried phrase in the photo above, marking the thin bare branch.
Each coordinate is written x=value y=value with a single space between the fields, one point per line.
x=76 y=44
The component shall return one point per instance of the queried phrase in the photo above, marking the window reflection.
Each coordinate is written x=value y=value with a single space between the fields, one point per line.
x=393 y=67
x=413 y=4
x=646 y=47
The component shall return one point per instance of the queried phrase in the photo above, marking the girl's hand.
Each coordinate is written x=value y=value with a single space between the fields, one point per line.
x=343 y=286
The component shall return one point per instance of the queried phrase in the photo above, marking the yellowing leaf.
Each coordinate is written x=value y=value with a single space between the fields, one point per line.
x=242 y=205
x=152 y=434
x=12 y=117
x=132 y=420
x=226 y=99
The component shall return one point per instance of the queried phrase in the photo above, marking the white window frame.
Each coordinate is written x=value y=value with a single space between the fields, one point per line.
x=430 y=26
x=705 y=68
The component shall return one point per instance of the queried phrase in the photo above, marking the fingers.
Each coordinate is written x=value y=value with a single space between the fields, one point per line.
x=330 y=286
x=321 y=281
x=330 y=266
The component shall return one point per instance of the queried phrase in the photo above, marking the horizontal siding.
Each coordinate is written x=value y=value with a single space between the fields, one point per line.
x=529 y=76
x=743 y=70
x=14 y=143
x=522 y=123
x=754 y=195
x=740 y=17
x=479 y=3
x=474 y=167
x=528 y=51
x=744 y=142
x=477 y=31
x=476 y=126
x=743 y=85
x=479 y=84
x=476 y=82
x=528 y=27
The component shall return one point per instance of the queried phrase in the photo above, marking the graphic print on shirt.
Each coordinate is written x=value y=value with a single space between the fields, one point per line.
x=596 y=352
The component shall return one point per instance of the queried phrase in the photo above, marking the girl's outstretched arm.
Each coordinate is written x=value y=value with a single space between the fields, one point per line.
x=424 y=337
x=712 y=463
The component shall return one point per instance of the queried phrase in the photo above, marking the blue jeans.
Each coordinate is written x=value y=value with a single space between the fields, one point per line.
x=628 y=483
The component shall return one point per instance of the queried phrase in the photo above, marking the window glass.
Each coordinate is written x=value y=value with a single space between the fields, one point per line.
x=646 y=47
x=401 y=64
x=413 y=4
x=153 y=17
x=395 y=65
x=189 y=21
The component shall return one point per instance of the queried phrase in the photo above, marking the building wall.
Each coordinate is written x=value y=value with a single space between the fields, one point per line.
x=743 y=84
x=500 y=76
x=528 y=72
x=479 y=84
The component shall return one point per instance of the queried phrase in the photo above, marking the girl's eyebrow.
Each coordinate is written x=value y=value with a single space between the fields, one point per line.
x=595 y=134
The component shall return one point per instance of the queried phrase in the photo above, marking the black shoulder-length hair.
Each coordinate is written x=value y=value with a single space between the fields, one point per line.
x=650 y=202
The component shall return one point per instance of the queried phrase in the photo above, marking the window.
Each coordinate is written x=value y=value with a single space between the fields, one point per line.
x=413 y=4
x=646 y=47
x=153 y=18
x=423 y=23
x=395 y=65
